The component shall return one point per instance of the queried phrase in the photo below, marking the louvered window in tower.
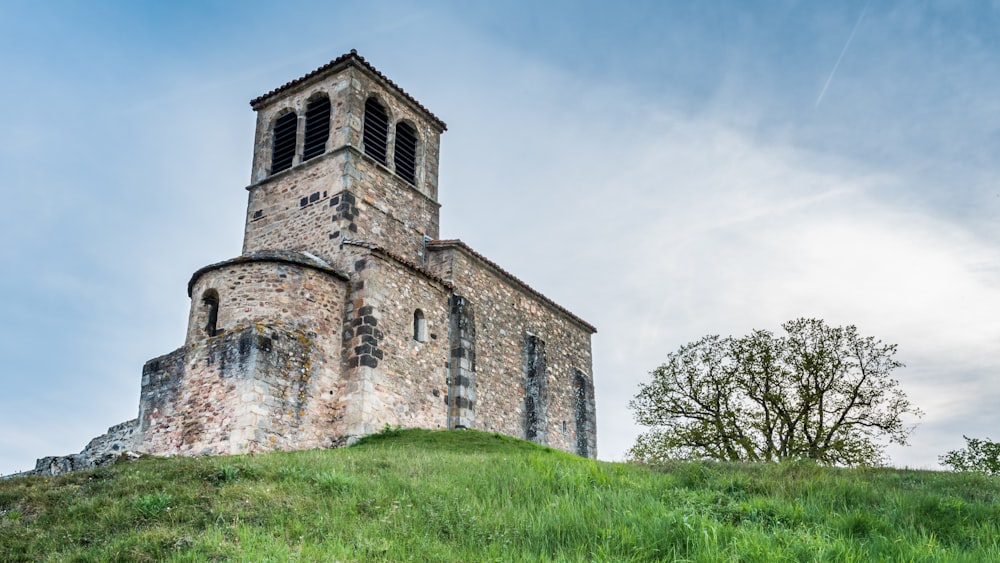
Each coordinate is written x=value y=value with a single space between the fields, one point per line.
x=405 y=155
x=284 y=142
x=317 y=128
x=376 y=131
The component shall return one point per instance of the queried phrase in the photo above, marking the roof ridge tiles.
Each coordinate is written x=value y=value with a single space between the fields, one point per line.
x=399 y=259
x=444 y=243
x=350 y=58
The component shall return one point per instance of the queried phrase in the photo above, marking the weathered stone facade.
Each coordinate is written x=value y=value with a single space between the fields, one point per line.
x=527 y=352
x=264 y=375
x=345 y=313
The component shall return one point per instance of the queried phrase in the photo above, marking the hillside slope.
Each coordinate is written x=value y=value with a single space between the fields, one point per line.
x=471 y=496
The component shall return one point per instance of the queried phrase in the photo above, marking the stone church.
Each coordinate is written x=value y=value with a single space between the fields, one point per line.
x=346 y=312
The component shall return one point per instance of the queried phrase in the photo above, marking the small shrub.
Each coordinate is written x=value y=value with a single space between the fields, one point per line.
x=861 y=525
x=293 y=473
x=390 y=430
x=152 y=505
x=333 y=482
x=12 y=514
x=225 y=474
x=977 y=455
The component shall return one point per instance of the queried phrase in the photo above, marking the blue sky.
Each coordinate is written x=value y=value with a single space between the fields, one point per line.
x=664 y=169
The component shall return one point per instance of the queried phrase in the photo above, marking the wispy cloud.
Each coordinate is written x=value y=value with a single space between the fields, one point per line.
x=847 y=44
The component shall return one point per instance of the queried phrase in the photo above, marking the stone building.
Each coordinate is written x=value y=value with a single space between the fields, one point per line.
x=345 y=311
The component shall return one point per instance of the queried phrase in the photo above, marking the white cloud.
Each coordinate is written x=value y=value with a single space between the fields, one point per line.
x=725 y=233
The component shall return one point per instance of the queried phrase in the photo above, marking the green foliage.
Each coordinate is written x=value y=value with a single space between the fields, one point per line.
x=977 y=455
x=473 y=496
x=152 y=505
x=818 y=392
x=224 y=474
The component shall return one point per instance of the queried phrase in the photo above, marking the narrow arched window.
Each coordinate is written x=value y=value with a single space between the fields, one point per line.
x=376 y=130
x=317 y=128
x=419 y=326
x=283 y=150
x=211 y=302
x=405 y=155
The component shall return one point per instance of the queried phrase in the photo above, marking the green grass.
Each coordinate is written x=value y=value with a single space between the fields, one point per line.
x=418 y=495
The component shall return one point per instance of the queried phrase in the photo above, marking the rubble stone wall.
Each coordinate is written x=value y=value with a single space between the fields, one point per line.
x=256 y=388
x=343 y=193
x=268 y=378
x=396 y=376
x=506 y=315
x=252 y=291
x=120 y=440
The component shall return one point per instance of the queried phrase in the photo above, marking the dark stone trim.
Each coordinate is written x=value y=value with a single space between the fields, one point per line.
x=461 y=363
x=584 y=415
x=535 y=390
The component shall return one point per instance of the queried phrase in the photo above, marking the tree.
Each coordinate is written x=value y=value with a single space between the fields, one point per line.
x=817 y=392
x=978 y=455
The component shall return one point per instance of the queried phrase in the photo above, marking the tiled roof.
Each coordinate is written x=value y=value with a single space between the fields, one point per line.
x=395 y=257
x=352 y=58
x=287 y=256
x=443 y=244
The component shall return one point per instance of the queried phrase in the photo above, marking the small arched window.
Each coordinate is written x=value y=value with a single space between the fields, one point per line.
x=419 y=326
x=405 y=155
x=317 y=128
x=283 y=150
x=376 y=130
x=210 y=300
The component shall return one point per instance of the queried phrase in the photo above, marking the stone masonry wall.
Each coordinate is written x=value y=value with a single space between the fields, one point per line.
x=269 y=378
x=348 y=89
x=159 y=400
x=344 y=192
x=506 y=315
x=253 y=291
x=256 y=388
x=393 y=378
x=120 y=440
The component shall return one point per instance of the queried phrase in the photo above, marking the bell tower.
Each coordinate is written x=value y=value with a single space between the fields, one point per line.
x=343 y=152
x=345 y=311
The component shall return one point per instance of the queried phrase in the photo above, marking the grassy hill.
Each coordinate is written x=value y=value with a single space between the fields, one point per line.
x=470 y=496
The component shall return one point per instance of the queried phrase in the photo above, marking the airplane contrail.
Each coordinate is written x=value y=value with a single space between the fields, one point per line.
x=844 y=50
